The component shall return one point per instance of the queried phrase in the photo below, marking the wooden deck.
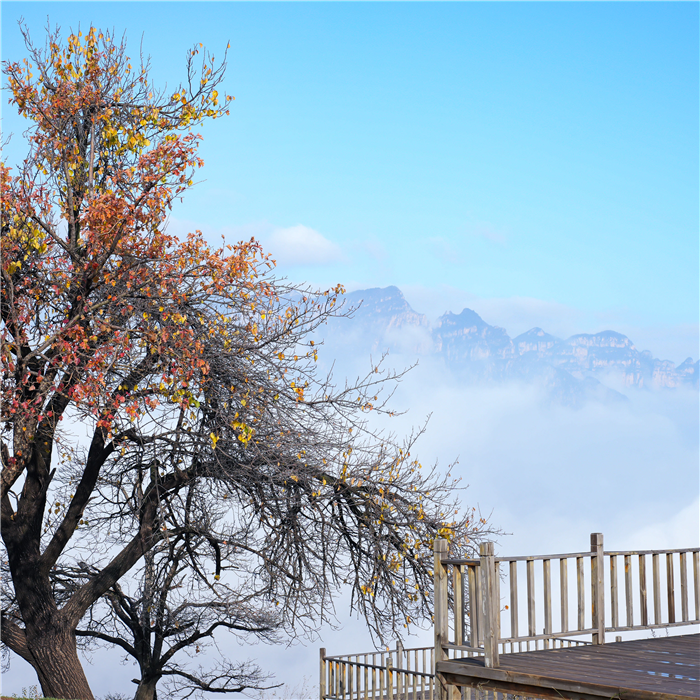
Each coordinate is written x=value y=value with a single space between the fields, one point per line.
x=661 y=668
x=541 y=626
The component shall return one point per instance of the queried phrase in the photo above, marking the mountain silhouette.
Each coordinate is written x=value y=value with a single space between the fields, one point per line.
x=572 y=369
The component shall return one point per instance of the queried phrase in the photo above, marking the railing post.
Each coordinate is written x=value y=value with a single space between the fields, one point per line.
x=598 y=587
x=440 y=613
x=474 y=632
x=458 y=585
x=389 y=679
x=399 y=666
x=491 y=606
x=440 y=576
x=322 y=677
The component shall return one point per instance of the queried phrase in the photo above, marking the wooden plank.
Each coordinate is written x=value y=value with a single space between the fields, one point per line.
x=564 y=593
x=489 y=603
x=374 y=677
x=653 y=669
x=684 y=586
x=655 y=551
x=614 y=603
x=670 y=589
x=696 y=583
x=530 y=573
x=629 y=601
x=536 y=557
x=497 y=600
x=479 y=607
x=656 y=581
x=513 y=565
x=458 y=587
x=422 y=679
x=547 y=592
x=399 y=665
x=581 y=593
x=597 y=587
x=643 y=607
x=473 y=606
x=366 y=685
x=322 y=675
x=540 y=637
x=415 y=675
x=389 y=679
x=441 y=599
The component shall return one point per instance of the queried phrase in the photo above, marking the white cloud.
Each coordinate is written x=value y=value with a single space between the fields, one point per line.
x=292 y=246
x=551 y=475
x=682 y=527
x=301 y=245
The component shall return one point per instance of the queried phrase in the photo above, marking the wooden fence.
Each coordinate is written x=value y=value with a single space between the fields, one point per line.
x=488 y=612
x=626 y=592
x=400 y=674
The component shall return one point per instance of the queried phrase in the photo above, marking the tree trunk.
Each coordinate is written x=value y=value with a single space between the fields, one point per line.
x=61 y=673
x=49 y=637
x=147 y=688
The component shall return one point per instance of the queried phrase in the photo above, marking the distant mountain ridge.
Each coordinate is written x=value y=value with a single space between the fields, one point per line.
x=474 y=348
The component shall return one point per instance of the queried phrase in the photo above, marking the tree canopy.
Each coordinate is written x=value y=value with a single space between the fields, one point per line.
x=189 y=373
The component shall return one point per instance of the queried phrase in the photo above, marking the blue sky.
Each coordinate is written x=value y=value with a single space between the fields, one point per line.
x=465 y=152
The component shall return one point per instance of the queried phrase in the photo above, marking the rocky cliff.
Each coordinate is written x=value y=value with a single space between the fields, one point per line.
x=578 y=366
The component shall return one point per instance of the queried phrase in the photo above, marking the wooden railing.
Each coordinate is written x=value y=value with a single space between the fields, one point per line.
x=489 y=613
x=485 y=622
x=400 y=674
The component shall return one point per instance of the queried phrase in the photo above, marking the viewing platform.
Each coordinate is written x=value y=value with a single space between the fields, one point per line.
x=495 y=638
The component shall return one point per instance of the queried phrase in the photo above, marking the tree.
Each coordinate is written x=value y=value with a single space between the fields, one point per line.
x=191 y=372
x=175 y=611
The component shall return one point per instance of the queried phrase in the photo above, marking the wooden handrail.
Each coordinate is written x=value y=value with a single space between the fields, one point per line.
x=401 y=674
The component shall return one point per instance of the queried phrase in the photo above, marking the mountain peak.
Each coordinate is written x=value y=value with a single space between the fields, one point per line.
x=466 y=319
x=473 y=347
x=603 y=339
x=535 y=340
x=384 y=306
